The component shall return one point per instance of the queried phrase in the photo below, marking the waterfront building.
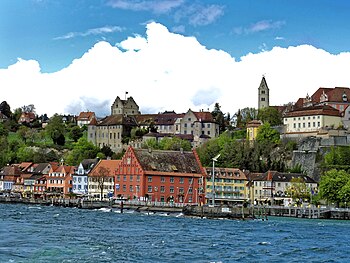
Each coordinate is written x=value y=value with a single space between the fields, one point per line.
x=59 y=181
x=160 y=176
x=230 y=185
x=80 y=177
x=101 y=179
x=272 y=186
x=8 y=177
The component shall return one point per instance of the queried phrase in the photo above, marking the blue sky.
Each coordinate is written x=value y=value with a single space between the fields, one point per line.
x=56 y=32
x=52 y=34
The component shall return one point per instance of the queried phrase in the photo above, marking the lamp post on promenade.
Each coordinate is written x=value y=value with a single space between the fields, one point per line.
x=215 y=159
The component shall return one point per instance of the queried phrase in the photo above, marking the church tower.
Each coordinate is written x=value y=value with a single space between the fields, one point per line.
x=263 y=96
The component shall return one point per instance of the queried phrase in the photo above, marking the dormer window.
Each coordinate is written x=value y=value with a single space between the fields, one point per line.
x=345 y=98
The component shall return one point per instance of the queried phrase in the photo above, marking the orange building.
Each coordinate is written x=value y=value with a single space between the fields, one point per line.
x=160 y=176
x=59 y=181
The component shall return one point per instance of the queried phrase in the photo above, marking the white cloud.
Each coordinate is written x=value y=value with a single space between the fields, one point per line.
x=263 y=25
x=168 y=71
x=155 y=6
x=92 y=31
x=199 y=15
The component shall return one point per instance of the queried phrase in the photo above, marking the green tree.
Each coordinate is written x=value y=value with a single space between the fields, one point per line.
x=81 y=150
x=75 y=133
x=5 y=109
x=331 y=185
x=56 y=130
x=107 y=151
x=174 y=144
x=270 y=115
x=244 y=116
x=267 y=135
x=219 y=117
x=298 y=189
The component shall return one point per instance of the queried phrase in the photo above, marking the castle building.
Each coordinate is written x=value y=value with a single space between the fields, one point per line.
x=197 y=127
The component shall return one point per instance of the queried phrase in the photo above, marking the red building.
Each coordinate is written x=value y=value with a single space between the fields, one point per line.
x=161 y=176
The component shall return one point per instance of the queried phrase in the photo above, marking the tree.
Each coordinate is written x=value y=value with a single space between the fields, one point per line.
x=75 y=133
x=102 y=178
x=243 y=116
x=219 y=117
x=174 y=144
x=55 y=129
x=270 y=115
x=298 y=189
x=107 y=151
x=5 y=109
x=334 y=186
x=267 y=135
x=81 y=150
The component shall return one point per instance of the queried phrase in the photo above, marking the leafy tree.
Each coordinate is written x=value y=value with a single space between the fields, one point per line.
x=107 y=151
x=102 y=178
x=267 y=135
x=298 y=189
x=338 y=157
x=151 y=143
x=3 y=130
x=75 y=133
x=81 y=150
x=219 y=117
x=174 y=144
x=17 y=114
x=270 y=115
x=5 y=109
x=334 y=186
x=56 y=130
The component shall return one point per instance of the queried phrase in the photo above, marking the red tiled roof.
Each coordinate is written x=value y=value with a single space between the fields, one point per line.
x=111 y=165
x=314 y=110
x=85 y=115
x=333 y=94
x=204 y=116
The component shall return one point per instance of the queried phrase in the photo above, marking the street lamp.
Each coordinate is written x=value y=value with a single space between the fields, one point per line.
x=215 y=159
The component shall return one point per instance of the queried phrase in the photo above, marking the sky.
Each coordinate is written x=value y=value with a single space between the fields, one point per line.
x=70 y=56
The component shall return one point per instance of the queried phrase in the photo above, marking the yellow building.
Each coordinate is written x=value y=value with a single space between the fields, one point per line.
x=230 y=185
x=252 y=129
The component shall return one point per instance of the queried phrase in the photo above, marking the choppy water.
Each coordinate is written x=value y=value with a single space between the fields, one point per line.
x=57 y=234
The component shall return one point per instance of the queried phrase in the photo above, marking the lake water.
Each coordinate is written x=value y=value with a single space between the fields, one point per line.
x=57 y=234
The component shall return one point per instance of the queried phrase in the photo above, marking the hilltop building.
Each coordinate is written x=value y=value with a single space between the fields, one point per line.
x=196 y=127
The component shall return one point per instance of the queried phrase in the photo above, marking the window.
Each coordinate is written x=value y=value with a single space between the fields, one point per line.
x=190 y=180
x=172 y=189
x=137 y=178
x=124 y=188
x=309 y=124
x=262 y=99
x=131 y=189
x=318 y=124
x=294 y=125
x=162 y=188
x=131 y=178
x=162 y=179
x=172 y=180
x=149 y=189
x=181 y=190
x=118 y=177
x=208 y=125
x=149 y=179
x=137 y=188
x=181 y=180
x=190 y=190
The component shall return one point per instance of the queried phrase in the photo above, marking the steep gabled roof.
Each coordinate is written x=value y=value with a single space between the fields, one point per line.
x=11 y=170
x=85 y=116
x=204 y=116
x=168 y=161
x=110 y=165
x=333 y=94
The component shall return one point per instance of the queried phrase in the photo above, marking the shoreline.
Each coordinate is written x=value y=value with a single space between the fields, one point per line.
x=240 y=213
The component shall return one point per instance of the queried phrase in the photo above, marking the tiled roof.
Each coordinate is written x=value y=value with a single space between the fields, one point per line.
x=313 y=110
x=254 y=123
x=204 y=116
x=89 y=163
x=333 y=94
x=12 y=170
x=168 y=161
x=117 y=119
x=111 y=165
x=166 y=118
x=85 y=115
x=230 y=173
x=282 y=177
